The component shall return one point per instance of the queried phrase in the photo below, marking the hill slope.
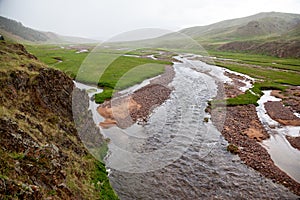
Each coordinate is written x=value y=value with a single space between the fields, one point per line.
x=272 y=33
x=251 y=27
x=16 y=31
x=42 y=156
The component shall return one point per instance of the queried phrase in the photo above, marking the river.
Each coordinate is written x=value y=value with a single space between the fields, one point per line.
x=177 y=155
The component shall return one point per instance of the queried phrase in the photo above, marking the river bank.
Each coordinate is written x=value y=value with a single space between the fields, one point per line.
x=243 y=129
x=125 y=110
x=176 y=155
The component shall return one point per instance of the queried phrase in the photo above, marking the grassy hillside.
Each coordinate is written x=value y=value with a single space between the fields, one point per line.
x=254 y=27
x=273 y=33
x=42 y=156
x=16 y=31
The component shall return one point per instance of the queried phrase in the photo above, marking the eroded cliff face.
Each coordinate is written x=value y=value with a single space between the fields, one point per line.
x=42 y=156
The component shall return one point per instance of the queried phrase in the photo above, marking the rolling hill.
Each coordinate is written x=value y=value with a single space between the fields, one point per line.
x=255 y=27
x=18 y=32
x=271 y=33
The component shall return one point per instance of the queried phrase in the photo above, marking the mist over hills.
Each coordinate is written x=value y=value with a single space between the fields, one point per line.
x=18 y=32
x=271 y=33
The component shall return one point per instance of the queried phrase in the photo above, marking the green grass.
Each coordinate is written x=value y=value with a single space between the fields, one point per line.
x=252 y=95
x=106 y=94
x=51 y=54
x=276 y=76
x=105 y=67
x=17 y=156
x=261 y=60
x=125 y=72
x=270 y=75
x=101 y=182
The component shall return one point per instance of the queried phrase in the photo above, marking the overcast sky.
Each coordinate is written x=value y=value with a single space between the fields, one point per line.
x=106 y=18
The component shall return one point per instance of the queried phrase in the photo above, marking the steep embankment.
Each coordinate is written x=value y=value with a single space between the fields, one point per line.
x=41 y=153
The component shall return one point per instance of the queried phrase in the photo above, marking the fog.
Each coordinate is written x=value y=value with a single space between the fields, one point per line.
x=101 y=19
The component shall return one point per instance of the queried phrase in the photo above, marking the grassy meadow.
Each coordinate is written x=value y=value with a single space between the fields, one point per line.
x=110 y=69
x=269 y=72
x=107 y=68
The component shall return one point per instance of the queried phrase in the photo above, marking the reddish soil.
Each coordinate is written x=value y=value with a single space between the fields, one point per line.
x=294 y=141
x=233 y=89
x=240 y=123
x=290 y=97
x=277 y=111
x=126 y=110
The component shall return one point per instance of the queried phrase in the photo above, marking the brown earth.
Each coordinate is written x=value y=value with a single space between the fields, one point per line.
x=290 y=97
x=233 y=89
x=294 y=141
x=126 y=110
x=243 y=129
x=281 y=49
x=244 y=121
x=277 y=111
x=42 y=156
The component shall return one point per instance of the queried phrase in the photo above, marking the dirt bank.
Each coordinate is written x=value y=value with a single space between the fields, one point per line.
x=240 y=123
x=277 y=111
x=243 y=129
x=290 y=97
x=294 y=141
x=126 y=110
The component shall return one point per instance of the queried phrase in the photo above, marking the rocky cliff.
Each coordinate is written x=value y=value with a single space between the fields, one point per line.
x=42 y=156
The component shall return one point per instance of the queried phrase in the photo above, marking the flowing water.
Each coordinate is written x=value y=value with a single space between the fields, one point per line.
x=176 y=155
x=286 y=157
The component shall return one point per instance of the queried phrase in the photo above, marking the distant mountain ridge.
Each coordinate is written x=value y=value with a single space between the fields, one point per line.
x=17 y=31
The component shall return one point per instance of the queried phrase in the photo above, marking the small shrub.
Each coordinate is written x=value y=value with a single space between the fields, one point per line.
x=233 y=149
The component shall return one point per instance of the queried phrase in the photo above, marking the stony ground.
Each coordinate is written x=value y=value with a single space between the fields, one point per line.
x=239 y=120
x=126 y=110
x=282 y=114
x=243 y=130
x=294 y=141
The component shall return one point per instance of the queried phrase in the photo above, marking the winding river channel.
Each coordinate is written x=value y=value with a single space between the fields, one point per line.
x=177 y=155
